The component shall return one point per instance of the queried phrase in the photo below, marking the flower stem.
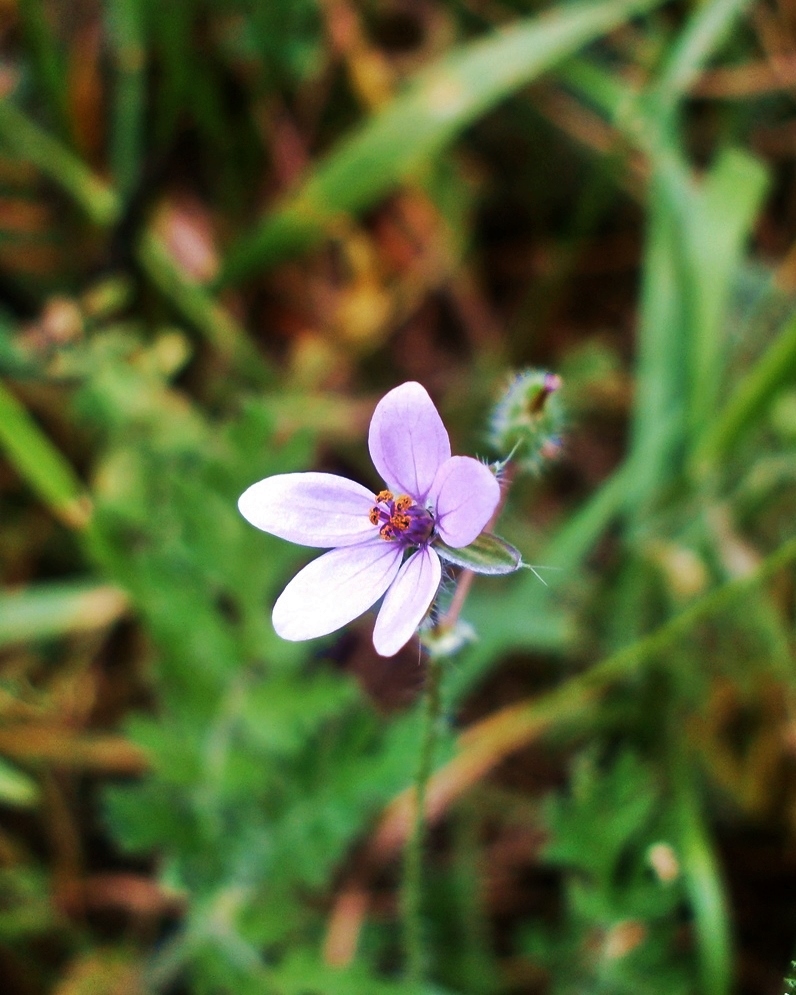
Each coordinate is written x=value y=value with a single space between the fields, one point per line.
x=412 y=894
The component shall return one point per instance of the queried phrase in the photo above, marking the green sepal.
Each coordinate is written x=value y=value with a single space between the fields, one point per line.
x=489 y=554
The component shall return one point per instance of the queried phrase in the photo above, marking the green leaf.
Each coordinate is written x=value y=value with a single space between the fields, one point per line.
x=612 y=807
x=489 y=554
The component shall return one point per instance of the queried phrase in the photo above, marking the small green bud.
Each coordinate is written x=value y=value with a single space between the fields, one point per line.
x=528 y=420
x=488 y=554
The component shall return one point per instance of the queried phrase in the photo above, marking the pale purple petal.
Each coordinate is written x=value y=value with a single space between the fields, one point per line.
x=407 y=440
x=464 y=495
x=407 y=601
x=335 y=588
x=312 y=509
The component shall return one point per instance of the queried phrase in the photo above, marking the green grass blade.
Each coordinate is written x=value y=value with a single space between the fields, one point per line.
x=718 y=226
x=40 y=464
x=126 y=34
x=705 y=32
x=704 y=886
x=660 y=366
x=103 y=205
x=658 y=643
x=16 y=788
x=604 y=90
x=696 y=239
x=197 y=304
x=576 y=538
x=399 y=141
x=48 y=63
x=170 y=30
x=775 y=368
x=51 y=610
x=25 y=139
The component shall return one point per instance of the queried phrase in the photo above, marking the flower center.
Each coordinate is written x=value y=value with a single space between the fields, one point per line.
x=401 y=519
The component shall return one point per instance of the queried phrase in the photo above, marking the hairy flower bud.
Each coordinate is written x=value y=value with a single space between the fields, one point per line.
x=528 y=420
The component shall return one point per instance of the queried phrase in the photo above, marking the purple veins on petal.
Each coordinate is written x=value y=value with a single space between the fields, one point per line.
x=407 y=601
x=465 y=494
x=335 y=589
x=311 y=509
x=407 y=440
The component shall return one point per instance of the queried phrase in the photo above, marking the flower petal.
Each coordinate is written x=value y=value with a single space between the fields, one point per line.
x=312 y=509
x=335 y=588
x=407 y=440
x=407 y=601
x=465 y=494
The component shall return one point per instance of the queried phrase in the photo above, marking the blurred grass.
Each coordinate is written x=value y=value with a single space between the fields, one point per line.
x=41 y=463
x=51 y=610
x=399 y=141
x=257 y=219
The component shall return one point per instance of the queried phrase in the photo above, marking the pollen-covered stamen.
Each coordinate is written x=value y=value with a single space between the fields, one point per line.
x=401 y=519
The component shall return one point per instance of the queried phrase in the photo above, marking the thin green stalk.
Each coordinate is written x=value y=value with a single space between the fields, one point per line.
x=127 y=38
x=755 y=391
x=579 y=692
x=40 y=463
x=103 y=205
x=658 y=414
x=29 y=142
x=703 y=881
x=198 y=306
x=705 y=32
x=576 y=698
x=48 y=63
x=626 y=661
x=412 y=895
x=576 y=538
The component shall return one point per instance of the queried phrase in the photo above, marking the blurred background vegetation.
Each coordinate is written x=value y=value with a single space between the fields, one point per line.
x=226 y=228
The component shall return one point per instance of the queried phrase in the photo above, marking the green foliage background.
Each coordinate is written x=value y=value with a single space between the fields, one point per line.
x=225 y=229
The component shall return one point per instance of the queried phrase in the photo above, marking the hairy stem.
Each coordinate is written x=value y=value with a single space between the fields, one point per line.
x=412 y=895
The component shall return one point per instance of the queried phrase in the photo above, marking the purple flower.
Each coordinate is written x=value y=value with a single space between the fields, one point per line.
x=382 y=544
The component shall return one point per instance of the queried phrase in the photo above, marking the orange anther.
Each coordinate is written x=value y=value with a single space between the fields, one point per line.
x=374 y=516
x=383 y=496
x=403 y=502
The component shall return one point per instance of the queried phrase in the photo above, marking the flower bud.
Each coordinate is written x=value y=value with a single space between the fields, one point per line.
x=528 y=420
